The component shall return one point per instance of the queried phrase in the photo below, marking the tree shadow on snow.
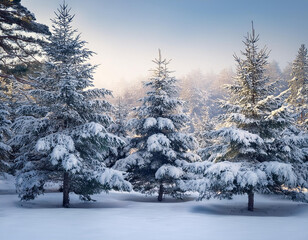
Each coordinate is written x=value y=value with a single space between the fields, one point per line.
x=41 y=204
x=7 y=191
x=281 y=209
x=37 y=204
x=153 y=199
x=113 y=204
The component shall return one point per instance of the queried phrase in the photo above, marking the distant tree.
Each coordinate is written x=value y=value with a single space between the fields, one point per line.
x=158 y=140
x=119 y=128
x=225 y=76
x=298 y=86
x=257 y=148
x=132 y=94
x=275 y=75
x=196 y=108
x=196 y=79
x=62 y=136
x=287 y=72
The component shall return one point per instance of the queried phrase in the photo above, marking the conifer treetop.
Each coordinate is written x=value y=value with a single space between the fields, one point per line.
x=251 y=81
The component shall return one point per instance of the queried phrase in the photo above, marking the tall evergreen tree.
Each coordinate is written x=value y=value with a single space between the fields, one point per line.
x=159 y=142
x=20 y=40
x=298 y=86
x=62 y=136
x=257 y=148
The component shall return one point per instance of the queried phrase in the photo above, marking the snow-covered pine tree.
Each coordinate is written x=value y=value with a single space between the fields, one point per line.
x=20 y=38
x=158 y=140
x=62 y=136
x=298 y=86
x=257 y=148
x=119 y=128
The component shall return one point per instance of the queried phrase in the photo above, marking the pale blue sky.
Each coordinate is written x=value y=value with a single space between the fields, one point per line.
x=196 y=34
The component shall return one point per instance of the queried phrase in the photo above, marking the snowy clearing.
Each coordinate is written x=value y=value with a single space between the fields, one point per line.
x=134 y=216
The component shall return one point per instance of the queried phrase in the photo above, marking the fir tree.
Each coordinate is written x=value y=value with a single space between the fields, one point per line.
x=257 y=148
x=62 y=136
x=158 y=142
x=298 y=86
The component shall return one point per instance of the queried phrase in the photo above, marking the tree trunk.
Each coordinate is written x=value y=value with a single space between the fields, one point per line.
x=66 y=190
x=250 y=200
x=160 y=193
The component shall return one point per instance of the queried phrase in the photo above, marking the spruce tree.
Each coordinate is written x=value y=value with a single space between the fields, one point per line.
x=257 y=148
x=62 y=136
x=298 y=86
x=158 y=142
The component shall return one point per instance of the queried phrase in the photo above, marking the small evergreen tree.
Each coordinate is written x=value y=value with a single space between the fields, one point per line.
x=62 y=136
x=298 y=86
x=257 y=148
x=158 y=140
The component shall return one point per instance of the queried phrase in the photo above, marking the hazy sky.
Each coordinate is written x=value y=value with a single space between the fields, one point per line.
x=196 y=34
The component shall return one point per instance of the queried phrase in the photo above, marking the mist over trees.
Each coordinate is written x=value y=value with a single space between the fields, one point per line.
x=241 y=131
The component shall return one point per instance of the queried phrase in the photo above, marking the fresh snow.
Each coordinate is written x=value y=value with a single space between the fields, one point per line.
x=71 y=163
x=165 y=123
x=168 y=171
x=50 y=141
x=232 y=175
x=133 y=216
x=149 y=122
x=240 y=136
x=114 y=179
x=158 y=142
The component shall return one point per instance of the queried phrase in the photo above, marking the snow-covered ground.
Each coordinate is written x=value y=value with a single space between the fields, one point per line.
x=132 y=216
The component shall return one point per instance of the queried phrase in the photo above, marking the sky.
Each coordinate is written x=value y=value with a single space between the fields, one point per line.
x=195 y=34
